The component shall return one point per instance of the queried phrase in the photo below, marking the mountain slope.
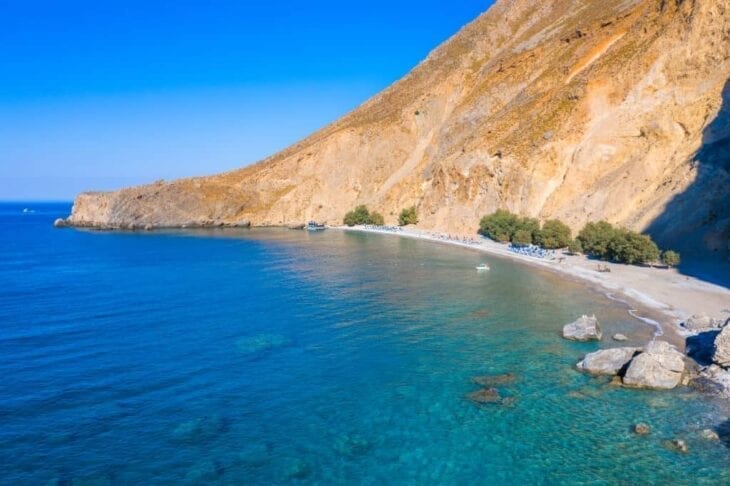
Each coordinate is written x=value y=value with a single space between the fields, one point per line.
x=576 y=109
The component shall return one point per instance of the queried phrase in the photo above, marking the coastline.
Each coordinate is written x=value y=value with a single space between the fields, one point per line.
x=660 y=297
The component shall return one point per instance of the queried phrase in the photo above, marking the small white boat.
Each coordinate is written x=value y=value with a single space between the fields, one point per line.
x=314 y=226
x=482 y=267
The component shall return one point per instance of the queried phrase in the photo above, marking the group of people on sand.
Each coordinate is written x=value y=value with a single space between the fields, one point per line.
x=467 y=240
x=392 y=229
x=532 y=251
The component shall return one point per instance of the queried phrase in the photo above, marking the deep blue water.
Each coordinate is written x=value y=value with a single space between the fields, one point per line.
x=276 y=356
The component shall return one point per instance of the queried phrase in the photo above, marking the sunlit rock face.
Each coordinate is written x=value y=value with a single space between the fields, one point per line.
x=576 y=109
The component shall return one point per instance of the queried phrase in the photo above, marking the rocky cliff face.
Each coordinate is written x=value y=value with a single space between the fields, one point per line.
x=576 y=109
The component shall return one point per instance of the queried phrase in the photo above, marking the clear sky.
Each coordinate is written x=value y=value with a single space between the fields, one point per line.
x=103 y=94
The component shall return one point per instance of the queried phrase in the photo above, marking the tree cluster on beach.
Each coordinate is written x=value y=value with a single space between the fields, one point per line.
x=602 y=240
x=598 y=239
x=504 y=227
x=361 y=215
x=408 y=216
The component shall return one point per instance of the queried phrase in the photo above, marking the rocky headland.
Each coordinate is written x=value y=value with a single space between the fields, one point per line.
x=574 y=109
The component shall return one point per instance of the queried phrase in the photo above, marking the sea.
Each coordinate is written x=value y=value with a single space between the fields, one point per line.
x=273 y=356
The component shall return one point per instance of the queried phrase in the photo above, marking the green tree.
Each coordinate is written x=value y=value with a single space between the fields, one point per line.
x=632 y=248
x=522 y=237
x=575 y=247
x=595 y=238
x=359 y=215
x=408 y=216
x=529 y=225
x=376 y=219
x=554 y=234
x=499 y=226
x=671 y=258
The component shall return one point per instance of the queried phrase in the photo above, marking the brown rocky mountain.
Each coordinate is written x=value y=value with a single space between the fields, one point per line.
x=576 y=109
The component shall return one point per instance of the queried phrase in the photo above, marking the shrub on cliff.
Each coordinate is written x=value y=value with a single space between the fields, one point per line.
x=408 y=216
x=671 y=258
x=554 y=234
x=361 y=215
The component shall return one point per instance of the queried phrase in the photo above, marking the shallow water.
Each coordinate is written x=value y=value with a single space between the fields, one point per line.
x=281 y=356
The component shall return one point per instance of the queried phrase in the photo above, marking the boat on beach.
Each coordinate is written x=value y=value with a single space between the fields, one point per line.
x=314 y=226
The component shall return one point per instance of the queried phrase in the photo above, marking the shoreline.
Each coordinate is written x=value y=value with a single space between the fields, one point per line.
x=668 y=296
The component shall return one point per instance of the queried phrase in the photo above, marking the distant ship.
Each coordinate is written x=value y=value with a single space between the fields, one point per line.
x=314 y=226
x=28 y=210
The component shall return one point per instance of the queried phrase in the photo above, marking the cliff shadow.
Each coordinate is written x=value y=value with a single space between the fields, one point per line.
x=696 y=222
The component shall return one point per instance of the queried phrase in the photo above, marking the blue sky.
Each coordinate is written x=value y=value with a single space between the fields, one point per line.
x=98 y=95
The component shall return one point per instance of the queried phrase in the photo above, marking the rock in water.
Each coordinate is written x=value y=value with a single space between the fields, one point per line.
x=620 y=337
x=487 y=395
x=60 y=223
x=583 y=329
x=714 y=379
x=721 y=355
x=677 y=445
x=659 y=367
x=494 y=380
x=642 y=429
x=608 y=361
x=710 y=434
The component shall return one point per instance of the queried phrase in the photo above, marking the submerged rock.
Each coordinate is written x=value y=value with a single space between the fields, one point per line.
x=710 y=434
x=620 y=337
x=583 y=329
x=203 y=472
x=608 y=361
x=494 y=380
x=298 y=469
x=677 y=445
x=486 y=395
x=260 y=343
x=353 y=445
x=255 y=455
x=200 y=429
x=642 y=429
x=721 y=355
x=659 y=367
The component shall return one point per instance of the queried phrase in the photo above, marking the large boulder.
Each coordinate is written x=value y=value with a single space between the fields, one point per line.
x=659 y=367
x=715 y=379
x=701 y=322
x=721 y=355
x=608 y=361
x=583 y=329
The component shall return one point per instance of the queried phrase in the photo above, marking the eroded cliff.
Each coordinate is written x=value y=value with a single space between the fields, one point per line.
x=576 y=109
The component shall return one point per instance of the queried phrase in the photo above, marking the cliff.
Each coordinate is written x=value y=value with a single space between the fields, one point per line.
x=576 y=109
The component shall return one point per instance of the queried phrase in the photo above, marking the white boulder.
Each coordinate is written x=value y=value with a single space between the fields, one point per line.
x=659 y=367
x=583 y=329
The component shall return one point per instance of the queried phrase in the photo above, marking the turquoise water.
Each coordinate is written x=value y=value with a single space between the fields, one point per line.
x=277 y=356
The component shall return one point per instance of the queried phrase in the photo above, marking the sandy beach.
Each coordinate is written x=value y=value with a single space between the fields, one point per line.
x=667 y=295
